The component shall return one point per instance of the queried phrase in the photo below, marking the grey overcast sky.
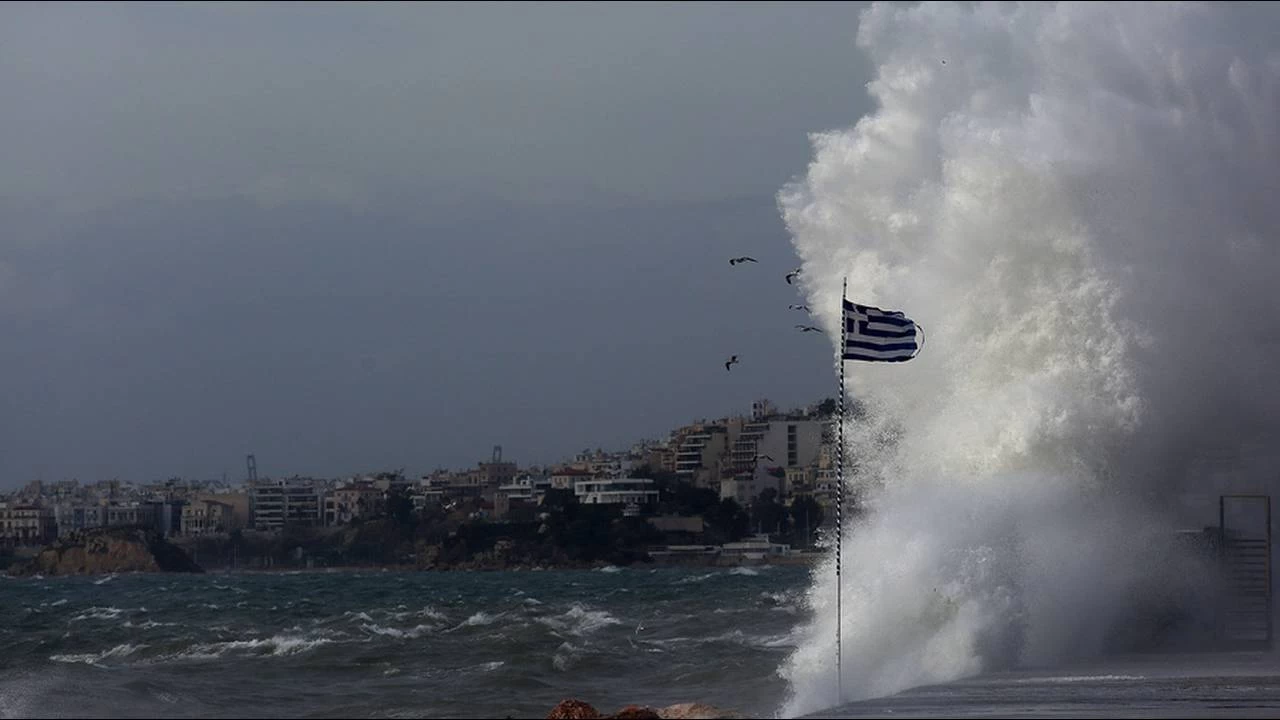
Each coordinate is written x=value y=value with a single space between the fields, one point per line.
x=351 y=237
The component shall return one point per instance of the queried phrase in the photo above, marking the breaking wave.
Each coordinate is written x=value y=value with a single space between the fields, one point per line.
x=1076 y=202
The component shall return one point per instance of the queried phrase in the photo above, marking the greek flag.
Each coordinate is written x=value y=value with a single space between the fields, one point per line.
x=878 y=335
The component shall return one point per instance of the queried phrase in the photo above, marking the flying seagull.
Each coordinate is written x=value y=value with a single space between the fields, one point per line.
x=799 y=307
x=733 y=359
x=792 y=275
x=809 y=328
x=744 y=258
x=766 y=457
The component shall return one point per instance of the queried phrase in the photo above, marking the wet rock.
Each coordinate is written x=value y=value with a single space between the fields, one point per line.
x=573 y=709
x=635 y=712
x=695 y=711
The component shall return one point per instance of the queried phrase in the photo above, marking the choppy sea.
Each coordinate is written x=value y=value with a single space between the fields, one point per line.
x=395 y=644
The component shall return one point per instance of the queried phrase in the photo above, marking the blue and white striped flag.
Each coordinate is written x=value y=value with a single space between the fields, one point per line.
x=878 y=335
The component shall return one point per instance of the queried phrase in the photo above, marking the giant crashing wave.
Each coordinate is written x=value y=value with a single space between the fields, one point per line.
x=1079 y=203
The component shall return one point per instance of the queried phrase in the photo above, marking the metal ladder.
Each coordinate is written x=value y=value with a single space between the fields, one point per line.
x=1245 y=621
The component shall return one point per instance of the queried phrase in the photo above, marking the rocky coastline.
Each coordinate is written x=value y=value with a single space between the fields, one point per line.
x=103 y=551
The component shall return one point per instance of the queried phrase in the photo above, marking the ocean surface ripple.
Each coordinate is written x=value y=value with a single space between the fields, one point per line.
x=391 y=644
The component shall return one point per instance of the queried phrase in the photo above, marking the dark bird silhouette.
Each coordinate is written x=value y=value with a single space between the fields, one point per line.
x=799 y=307
x=809 y=328
x=766 y=457
x=744 y=258
x=792 y=275
x=733 y=359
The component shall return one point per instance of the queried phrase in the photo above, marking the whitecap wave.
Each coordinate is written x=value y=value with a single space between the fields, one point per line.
x=691 y=579
x=99 y=613
x=147 y=625
x=477 y=619
x=274 y=646
x=566 y=655
x=119 y=651
x=786 y=640
x=430 y=612
x=402 y=633
x=579 y=620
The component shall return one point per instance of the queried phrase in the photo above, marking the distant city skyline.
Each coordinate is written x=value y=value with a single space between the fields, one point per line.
x=241 y=472
x=349 y=237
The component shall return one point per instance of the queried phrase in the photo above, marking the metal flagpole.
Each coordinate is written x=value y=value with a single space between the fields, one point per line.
x=844 y=329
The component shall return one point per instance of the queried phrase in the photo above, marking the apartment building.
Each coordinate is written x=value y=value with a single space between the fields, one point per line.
x=568 y=478
x=206 y=517
x=342 y=505
x=131 y=514
x=72 y=518
x=699 y=454
x=276 y=503
x=22 y=524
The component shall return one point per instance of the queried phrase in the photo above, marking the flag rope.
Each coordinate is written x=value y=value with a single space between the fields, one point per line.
x=844 y=329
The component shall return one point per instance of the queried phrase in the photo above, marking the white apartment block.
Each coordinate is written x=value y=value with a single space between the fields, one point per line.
x=616 y=491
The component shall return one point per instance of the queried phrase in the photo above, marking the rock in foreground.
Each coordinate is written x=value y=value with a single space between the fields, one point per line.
x=635 y=712
x=574 y=709
x=109 y=550
x=695 y=711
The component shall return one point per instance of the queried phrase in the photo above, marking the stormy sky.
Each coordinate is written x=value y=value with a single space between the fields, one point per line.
x=350 y=237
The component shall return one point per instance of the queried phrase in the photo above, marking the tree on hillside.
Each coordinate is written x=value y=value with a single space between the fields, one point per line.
x=559 y=499
x=728 y=520
x=400 y=507
x=806 y=517
x=767 y=514
x=692 y=500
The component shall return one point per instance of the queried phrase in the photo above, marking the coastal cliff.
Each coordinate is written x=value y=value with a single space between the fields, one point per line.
x=108 y=550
